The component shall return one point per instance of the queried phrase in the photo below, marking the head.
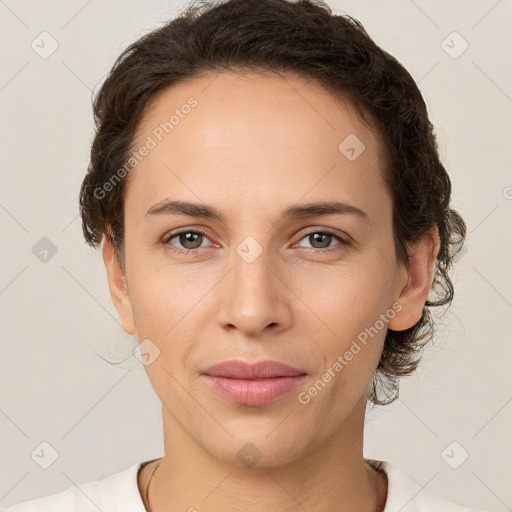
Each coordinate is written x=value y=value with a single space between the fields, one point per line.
x=254 y=110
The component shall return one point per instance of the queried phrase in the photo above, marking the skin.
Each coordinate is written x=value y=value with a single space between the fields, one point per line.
x=253 y=146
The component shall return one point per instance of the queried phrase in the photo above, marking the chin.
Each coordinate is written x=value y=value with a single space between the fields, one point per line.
x=260 y=450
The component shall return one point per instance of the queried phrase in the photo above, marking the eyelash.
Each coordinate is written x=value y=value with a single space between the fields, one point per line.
x=170 y=236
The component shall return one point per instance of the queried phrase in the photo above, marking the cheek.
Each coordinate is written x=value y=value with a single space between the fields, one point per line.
x=349 y=307
x=164 y=314
x=170 y=309
x=165 y=299
x=351 y=355
x=347 y=300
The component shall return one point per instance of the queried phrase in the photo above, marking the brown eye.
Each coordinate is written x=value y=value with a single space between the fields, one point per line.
x=322 y=241
x=189 y=240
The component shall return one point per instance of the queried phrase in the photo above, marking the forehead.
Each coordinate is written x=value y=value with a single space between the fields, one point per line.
x=266 y=98
x=253 y=137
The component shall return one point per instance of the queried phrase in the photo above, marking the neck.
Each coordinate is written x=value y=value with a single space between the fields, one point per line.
x=332 y=476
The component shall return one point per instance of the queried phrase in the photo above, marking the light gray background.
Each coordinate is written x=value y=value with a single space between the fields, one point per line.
x=57 y=314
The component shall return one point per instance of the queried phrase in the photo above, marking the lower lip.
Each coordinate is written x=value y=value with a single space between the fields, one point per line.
x=253 y=392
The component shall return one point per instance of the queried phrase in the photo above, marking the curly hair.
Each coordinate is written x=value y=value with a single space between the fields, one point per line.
x=305 y=38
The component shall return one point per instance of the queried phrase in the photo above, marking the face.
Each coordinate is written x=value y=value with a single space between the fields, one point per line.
x=259 y=281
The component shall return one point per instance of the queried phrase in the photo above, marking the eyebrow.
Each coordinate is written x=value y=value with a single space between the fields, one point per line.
x=167 y=207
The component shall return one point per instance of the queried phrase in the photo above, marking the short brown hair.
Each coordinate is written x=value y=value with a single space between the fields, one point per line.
x=305 y=38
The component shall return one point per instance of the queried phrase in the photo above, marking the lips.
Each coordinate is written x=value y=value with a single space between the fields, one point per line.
x=253 y=384
x=236 y=369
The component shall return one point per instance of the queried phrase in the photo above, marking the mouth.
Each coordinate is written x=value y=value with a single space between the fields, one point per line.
x=253 y=384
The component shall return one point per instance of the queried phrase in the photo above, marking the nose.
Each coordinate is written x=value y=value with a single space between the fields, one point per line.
x=255 y=297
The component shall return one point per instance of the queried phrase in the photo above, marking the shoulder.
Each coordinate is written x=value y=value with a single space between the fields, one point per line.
x=107 y=494
x=406 y=495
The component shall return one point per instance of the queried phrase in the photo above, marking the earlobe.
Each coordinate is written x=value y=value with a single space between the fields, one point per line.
x=117 y=286
x=421 y=271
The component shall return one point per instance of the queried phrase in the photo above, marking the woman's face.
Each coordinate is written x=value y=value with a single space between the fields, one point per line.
x=258 y=284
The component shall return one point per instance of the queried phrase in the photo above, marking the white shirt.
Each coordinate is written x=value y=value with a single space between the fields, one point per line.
x=119 y=492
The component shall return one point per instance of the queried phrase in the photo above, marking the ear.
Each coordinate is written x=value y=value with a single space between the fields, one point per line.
x=421 y=271
x=118 y=287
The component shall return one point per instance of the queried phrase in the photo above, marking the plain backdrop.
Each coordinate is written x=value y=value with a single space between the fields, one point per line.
x=57 y=317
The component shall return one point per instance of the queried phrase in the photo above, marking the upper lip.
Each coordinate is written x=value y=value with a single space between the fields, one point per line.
x=236 y=369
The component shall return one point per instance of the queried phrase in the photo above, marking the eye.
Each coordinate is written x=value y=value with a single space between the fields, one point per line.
x=321 y=241
x=190 y=240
